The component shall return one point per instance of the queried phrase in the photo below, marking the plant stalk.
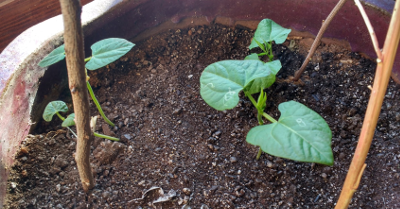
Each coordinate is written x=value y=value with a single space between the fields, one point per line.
x=105 y=136
x=382 y=76
x=60 y=116
x=73 y=38
x=268 y=117
x=98 y=104
x=318 y=39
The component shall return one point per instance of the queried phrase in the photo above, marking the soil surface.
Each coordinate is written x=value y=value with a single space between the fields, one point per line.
x=198 y=156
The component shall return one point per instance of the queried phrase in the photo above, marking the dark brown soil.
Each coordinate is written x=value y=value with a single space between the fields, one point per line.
x=171 y=139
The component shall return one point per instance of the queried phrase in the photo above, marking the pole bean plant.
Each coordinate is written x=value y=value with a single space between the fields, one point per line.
x=104 y=52
x=300 y=133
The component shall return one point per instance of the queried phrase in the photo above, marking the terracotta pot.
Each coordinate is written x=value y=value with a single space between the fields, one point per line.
x=26 y=88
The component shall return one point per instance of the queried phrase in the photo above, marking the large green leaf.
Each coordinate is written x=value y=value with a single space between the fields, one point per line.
x=221 y=82
x=107 y=51
x=55 y=56
x=53 y=108
x=69 y=121
x=267 y=31
x=300 y=134
x=261 y=83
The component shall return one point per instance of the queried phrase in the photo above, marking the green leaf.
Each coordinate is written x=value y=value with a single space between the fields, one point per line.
x=69 y=121
x=300 y=134
x=264 y=82
x=275 y=66
x=261 y=45
x=253 y=56
x=55 y=56
x=267 y=30
x=221 y=82
x=107 y=51
x=53 y=108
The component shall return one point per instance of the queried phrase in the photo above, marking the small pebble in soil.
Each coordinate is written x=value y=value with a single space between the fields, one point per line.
x=187 y=191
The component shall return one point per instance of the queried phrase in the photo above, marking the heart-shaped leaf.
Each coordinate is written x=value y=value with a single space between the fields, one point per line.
x=262 y=83
x=267 y=30
x=300 y=134
x=69 y=121
x=107 y=51
x=221 y=82
x=55 y=56
x=53 y=108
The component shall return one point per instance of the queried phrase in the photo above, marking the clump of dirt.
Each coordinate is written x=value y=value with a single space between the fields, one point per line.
x=171 y=139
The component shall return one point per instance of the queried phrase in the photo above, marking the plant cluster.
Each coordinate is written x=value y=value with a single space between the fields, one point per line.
x=300 y=133
x=104 y=52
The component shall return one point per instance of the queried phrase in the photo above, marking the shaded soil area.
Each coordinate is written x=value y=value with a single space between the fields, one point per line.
x=170 y=138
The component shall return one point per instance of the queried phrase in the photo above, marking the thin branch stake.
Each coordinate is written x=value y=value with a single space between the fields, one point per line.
x=73 y=38
x=315 y=44
x=382 y=76
x=370 y=30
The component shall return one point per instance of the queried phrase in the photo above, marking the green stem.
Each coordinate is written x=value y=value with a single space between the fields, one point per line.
x=268 y=117
x=87 y=59
x=105 y=136
x=262 y=54
x=270 y=55
x=259 y=153
x=98 y=105
x=251 y=99
x=61 y=117
x=259 y=118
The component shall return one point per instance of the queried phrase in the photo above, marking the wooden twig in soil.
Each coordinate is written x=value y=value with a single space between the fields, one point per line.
x=382 y=76
x=317 y=40
x=73 y=39
x=371 y=31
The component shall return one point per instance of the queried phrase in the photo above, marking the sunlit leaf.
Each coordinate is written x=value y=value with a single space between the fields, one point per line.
x=55 y=56
x=300 y=134
x=107 y=51
x=267 y=30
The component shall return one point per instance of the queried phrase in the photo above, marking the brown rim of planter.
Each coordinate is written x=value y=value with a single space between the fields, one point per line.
x=21 y=104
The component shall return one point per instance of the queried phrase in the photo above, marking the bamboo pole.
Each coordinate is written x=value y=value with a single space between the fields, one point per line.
x=383 y=72
x=73 y=38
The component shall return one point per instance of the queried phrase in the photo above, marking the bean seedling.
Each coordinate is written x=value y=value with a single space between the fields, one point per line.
x=104 y=52
x=300 y=133
x=55 y=107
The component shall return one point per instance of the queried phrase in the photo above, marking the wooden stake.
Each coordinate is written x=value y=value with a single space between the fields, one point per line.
x=73 y=38
x=382 y=76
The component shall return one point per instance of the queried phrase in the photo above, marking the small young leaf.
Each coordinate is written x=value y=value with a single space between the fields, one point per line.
x=300 y=134
x=53 y=108
x=221 y=82
x=55 y=56
x=261 y=101
x=268 y=31
x=261 y=45
x=69 y=121
x=252 y=56
x=107 y=51
x=264 y=82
